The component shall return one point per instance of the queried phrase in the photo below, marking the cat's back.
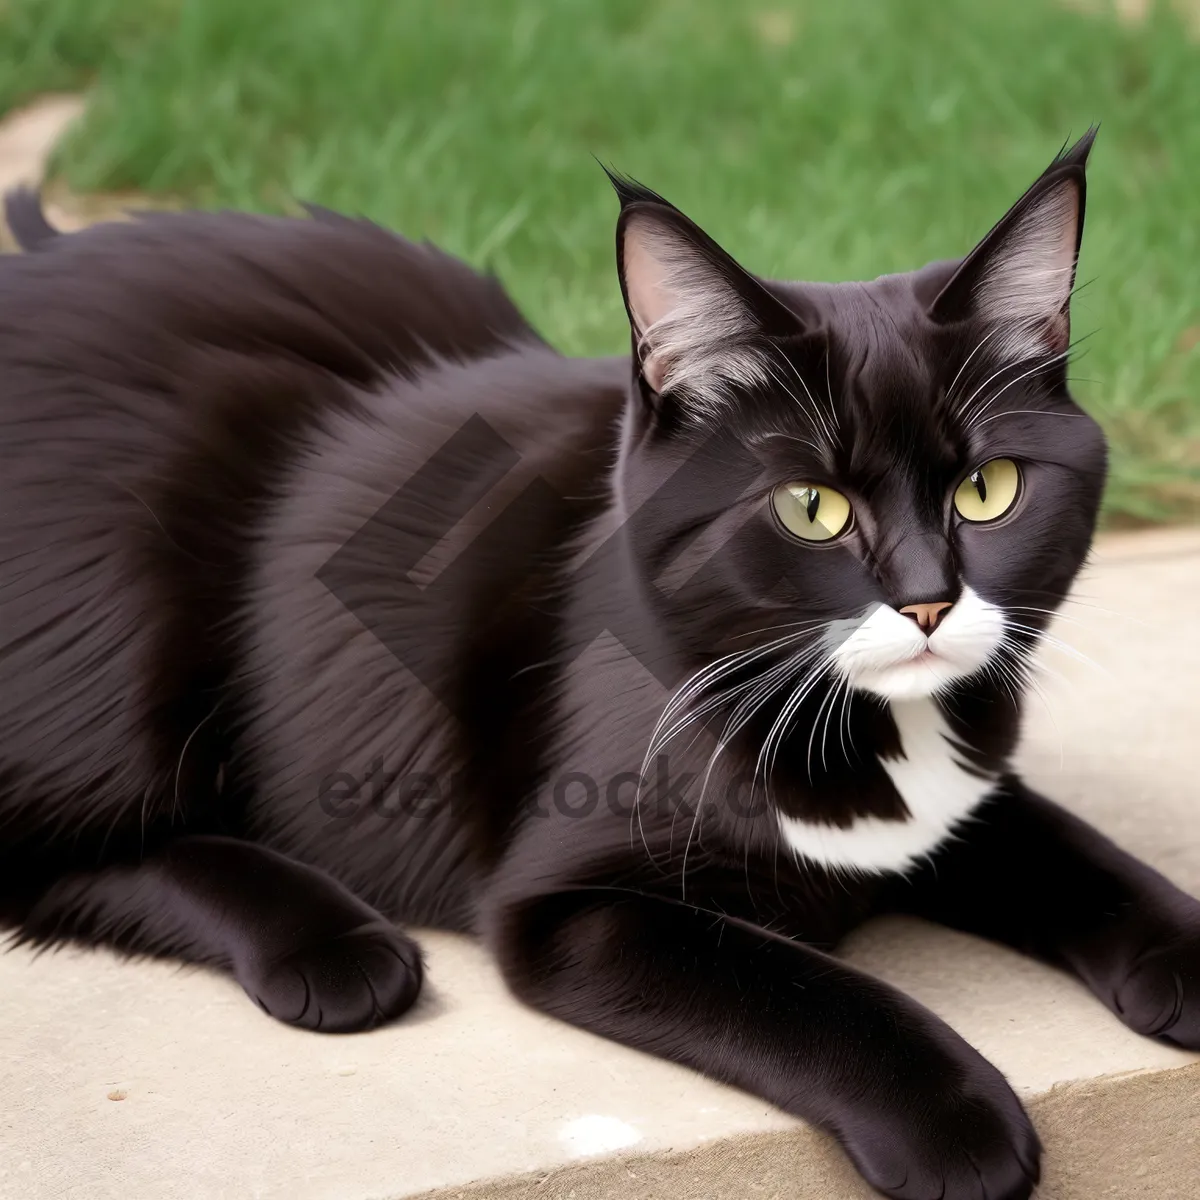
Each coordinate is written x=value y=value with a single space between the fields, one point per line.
x=122 y=345
x=156 y=379
x=137 y=302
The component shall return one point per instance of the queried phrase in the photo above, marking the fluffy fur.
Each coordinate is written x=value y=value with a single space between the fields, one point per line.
x=333 y=600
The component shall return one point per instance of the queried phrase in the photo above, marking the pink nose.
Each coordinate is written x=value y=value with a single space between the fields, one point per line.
x=927 y=616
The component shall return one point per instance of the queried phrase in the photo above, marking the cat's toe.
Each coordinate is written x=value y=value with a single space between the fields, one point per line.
x=1161 y=995
x=354 y=981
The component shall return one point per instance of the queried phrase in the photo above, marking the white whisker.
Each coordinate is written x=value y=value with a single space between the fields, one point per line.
x=770 y=747
x=1057 y=643
x=950 y=398
x=829 y=393
x=762 y=691
x=682 y=710
x=1034 y=370
x=1025 y=412
x=813 y=410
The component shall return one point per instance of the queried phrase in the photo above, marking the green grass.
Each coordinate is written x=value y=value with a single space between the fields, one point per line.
x=815 y=140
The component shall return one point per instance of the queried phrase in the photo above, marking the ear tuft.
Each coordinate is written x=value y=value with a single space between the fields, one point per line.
x=1076 y=155
x=630 y=191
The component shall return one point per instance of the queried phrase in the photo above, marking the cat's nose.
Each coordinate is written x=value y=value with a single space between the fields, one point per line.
x=928 y=615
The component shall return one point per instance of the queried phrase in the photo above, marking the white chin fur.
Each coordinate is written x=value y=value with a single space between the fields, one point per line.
x=887 y=654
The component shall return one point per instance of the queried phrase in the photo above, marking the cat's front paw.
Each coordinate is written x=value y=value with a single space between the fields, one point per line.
x=342 y=984
x=967 y=1139
x=1160 y=996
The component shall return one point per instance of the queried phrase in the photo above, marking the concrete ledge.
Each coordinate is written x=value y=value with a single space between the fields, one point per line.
x=1084 y=1160
x=152 y=1081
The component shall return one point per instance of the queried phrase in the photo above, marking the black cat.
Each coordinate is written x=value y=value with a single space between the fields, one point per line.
x=333 y=597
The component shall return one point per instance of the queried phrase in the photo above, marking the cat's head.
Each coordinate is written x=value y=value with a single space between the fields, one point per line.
x=890 y=474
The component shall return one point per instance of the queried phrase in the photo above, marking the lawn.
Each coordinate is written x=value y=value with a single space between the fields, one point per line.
x=821 y=140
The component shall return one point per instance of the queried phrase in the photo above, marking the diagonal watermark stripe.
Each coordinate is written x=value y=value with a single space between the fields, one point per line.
x=457 y=477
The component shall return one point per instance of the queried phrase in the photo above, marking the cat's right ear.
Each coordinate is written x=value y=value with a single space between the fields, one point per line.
x=702 y=326
x=1018 y=281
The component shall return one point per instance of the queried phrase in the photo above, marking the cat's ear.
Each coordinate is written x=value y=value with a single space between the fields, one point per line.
x=1018 y=280
x=702 y=325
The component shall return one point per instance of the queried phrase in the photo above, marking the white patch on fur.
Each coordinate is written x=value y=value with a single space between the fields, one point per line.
x=1028 y=283
x=937 y=790
x=693 y=329
x=888 y=655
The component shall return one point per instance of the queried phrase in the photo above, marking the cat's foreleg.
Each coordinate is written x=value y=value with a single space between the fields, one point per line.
x=918 y=1110
x=304 y=948
x=1027 y=873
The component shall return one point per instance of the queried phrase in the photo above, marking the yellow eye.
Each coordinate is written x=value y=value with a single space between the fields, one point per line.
x=989 y=492
x=813 y=513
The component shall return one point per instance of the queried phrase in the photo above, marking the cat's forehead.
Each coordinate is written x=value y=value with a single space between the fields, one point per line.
x=885 y=353
x=887 y=367
x=878 y=323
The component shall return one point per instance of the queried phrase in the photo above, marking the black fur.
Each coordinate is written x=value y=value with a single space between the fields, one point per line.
x=332 y=598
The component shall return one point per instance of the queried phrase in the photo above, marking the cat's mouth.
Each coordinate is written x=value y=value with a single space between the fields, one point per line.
x=888 y=655
x=920 y=674
x=925 y=655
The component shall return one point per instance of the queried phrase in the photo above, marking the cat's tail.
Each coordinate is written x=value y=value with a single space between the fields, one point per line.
x=26 y=219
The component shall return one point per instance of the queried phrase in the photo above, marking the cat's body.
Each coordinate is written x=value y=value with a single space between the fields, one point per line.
x=273 y=426
x=333 y=598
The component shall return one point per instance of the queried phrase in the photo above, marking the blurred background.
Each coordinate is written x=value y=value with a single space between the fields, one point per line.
x=821 y=140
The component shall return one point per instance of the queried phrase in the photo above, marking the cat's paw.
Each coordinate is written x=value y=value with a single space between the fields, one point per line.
x=967 y=1140
x=1160 y=996
x=353 y=981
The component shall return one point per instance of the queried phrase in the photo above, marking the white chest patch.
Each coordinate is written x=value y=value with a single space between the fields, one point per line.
x=936 y=789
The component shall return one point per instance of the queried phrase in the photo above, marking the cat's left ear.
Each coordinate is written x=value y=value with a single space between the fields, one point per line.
x=702 y=325
x=1018 y=280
